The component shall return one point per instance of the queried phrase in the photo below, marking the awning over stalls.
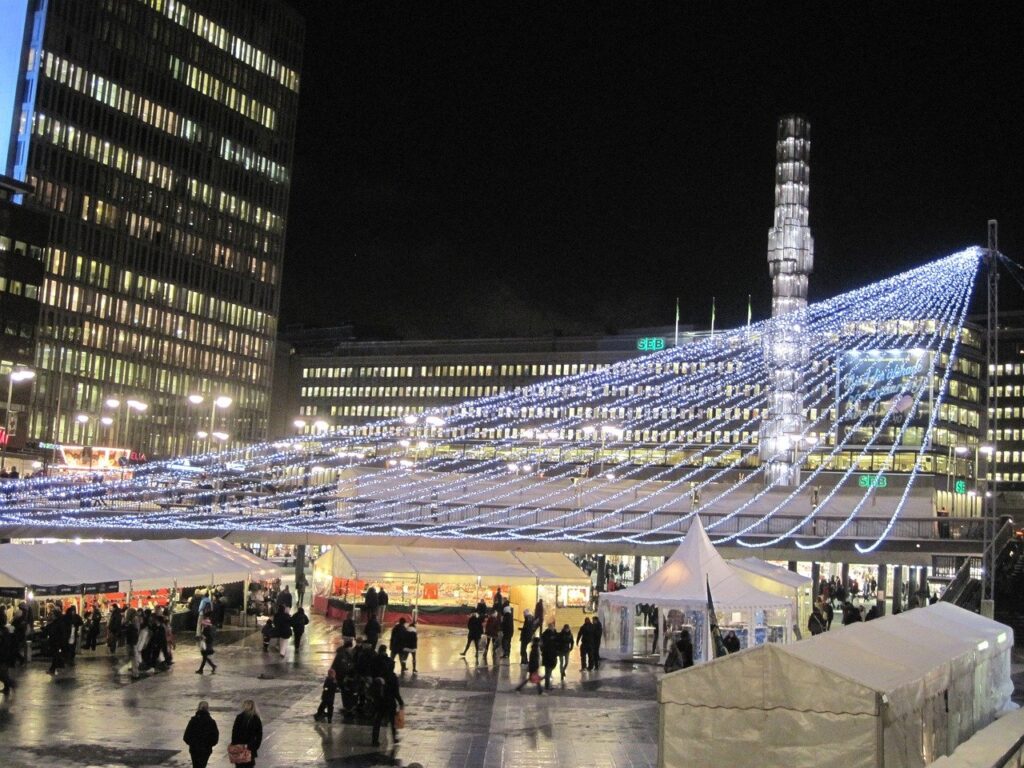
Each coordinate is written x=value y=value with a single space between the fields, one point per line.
x=111 y=566
x=553 y=568
x=771 y=572
x=381 y=562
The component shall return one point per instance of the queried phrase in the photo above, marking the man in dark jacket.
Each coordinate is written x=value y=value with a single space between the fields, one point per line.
x=382 y=603
x=58 y=632
x=816 y=623
x=396 y=643
x=585 y=641
x=299 y=622
x=508 y=629
x=348 y=629
x=372 y=602
x=549 y=643
x=114 y=624
x=525 y=635
x=201 y=735
x=474 y=631
x=372 y=630
x=565 y=646
x=388 y=700
x=598 y=634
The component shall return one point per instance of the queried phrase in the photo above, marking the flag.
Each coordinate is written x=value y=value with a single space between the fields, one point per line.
x=677 y=321
x=749 y=310
x=716 y=633
x=712 y=317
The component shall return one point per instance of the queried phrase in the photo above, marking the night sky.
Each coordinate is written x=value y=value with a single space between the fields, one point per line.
x=515 y=169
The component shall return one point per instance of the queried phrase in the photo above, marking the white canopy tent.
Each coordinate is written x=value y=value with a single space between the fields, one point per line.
x=896 y=692
x=779 y=581
x=679 y=590
x=69 y=568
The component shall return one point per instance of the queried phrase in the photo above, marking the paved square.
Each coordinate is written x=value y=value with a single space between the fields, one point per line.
x=460 y=714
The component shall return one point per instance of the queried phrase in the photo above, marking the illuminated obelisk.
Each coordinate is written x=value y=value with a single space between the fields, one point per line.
x=790 y=262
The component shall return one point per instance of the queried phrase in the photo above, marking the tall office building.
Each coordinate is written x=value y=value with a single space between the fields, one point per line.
x=159 y=136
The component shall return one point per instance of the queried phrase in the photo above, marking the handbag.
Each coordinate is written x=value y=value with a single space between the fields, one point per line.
x=400 y=719
x=534 y=677
x=239 y=754
x=202 y=645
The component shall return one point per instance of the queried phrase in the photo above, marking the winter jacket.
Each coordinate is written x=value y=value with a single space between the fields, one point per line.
x=201 y=734
x=248 y=730
x=475 y=627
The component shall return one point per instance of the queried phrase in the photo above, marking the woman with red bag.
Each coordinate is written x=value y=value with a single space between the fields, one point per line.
x=533 y=668
x=246 y=736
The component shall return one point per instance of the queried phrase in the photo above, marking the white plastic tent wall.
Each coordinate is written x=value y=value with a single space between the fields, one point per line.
x=898 y=692
x=681 y=584
x=778 y=581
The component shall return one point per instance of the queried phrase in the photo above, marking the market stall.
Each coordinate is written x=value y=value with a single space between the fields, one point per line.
x=440 y=585
x=138 y=573
x=560 y=583
x=779 y=581
x=900 y=691
x=643 y=620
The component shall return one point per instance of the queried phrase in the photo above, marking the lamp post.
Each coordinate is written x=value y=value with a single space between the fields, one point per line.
x=299 y=424
x=218 y=401
x=17 y=375
x=132 y=405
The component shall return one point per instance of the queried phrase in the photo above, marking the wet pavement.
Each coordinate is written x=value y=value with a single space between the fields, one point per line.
x=459 y=714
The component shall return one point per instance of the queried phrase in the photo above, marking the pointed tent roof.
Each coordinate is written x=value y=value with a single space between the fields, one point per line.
x=680 y=582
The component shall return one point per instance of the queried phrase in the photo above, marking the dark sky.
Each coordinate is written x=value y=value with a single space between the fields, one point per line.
x=498 y=168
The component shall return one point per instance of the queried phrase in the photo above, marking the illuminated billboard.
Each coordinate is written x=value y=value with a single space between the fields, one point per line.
x=873 y=384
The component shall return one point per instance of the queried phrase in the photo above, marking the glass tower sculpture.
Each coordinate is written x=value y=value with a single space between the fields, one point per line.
x=790 y=262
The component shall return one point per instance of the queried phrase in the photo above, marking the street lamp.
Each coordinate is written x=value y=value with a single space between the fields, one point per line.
x=132 y=405
x=299 y=424
x=220 y=401
x=17 y=375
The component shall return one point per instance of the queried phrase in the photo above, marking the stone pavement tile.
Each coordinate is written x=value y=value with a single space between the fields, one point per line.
x=460 y=714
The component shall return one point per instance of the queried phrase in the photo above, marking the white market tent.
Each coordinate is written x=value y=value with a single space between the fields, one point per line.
x=380 y=562
x=778 y=581
x=679 y=589
x=897 y=692
x=131 y=565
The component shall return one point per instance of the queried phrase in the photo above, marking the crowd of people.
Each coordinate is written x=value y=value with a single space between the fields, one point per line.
x=853 y=604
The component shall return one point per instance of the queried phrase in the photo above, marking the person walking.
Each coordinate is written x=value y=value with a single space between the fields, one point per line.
x=327 y=694
x=492 y=633
x=201 y=735
x=508 y=631
x=685 y=646
x=73 y=635
x=133 y=624
x=371 y=604
x=299 y=622
x=525 y=634
x=372 y=630
x=348 y=629
x=598 y=630
x=397 y=642
x=58 y=633
x=585 y=641
x=388 y=700
x=565 y=646
x=114 y=626
x=474 y=631
x=549 y=644
x=538 y=616
x=285 y=598
x=92 y=631
x=382 y=604
x=247 y=732
x=816 y=623
x=8 y=653
x=532 y=669
x=411 y=643
x=206 y=646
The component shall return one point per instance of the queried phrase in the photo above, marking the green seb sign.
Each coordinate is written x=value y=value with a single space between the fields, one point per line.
x=870 y=481
x=960 y=486
x=650 y=344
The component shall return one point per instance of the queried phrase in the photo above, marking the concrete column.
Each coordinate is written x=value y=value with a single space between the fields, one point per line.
x=846 y=576
x=897 y=589
x=815 y=581
x=792 y=565
x=922 y=584
x=636 y=569
x=602 y=573
x=883 y=572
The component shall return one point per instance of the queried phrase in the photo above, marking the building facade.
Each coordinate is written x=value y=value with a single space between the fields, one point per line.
x=23 y=237
x=367 y=388
x=158 y=135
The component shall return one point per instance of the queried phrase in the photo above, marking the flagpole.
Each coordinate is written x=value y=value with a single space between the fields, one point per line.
x=749 y=311
x=712 y=317
x=677 y=321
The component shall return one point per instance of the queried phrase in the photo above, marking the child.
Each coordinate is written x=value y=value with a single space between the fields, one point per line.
x=268 y=632
x=327 y=697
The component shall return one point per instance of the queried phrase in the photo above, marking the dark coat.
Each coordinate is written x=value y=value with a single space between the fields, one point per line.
x=508 y=624
x=348 y=628
x=372 y=630
x=249 y=731
x=598 y=631
x=526 y=631
x=533 y=663
x=299 y=622
x=371 y=599
x=549 y=645
x=330 y=689
x=585 y=636
x=392 y=698
x=397 y=642
x=208 y=638
x=201 y=734
x=565 y=642
x=475 y=627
